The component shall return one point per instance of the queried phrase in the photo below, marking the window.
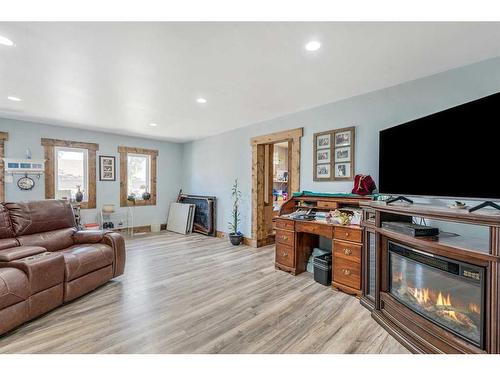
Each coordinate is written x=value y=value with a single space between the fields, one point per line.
x=69 y=164
x=137 y=176
x=71 y=172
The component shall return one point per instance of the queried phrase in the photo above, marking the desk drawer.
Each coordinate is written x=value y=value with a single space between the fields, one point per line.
x=347 y=251
x=314 y=228
x=285 y=255
x=285 y=224
x=285 y=237
x=348 y=234
x=346 y=272
x=325 y=204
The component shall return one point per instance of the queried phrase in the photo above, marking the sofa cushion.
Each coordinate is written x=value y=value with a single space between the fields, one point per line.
x=44 y=270
x=52 y=241
x=14 y=287
x=40 y=216
x=5 y=224
x=7 y=243
x=83 y=259
x=20 y=252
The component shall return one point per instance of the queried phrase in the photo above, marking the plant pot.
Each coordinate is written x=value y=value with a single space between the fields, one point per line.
x=235 y=239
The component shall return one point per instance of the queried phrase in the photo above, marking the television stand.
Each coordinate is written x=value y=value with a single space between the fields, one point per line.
x=483 y=205
x=400 y=198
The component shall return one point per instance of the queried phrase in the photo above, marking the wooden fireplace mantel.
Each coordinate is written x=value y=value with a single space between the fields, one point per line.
x=415 y=332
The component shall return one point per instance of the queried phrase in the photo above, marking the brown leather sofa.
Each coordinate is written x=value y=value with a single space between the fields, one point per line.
x=45 y=261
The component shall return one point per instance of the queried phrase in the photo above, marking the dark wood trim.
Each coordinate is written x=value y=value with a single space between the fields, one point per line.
x=278 y=137
x=246 y=241
x=4 y=136
x=49 y=147
x=73 y=144
x=438 y=213
x=429 y=337
x=137 y=229
x=137 y=150
x=293 y=137
x=124 y=151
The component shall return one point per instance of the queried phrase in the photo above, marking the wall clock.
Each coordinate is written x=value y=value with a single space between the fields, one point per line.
x=25 y=183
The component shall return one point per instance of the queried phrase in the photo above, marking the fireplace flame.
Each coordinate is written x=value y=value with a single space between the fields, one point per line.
x=451 y=314
x=421 y=295
x=443 y=301
x=474 y=308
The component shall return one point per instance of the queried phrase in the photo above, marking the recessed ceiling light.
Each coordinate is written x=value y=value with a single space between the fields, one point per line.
x=201 y=100
x=6 y=41
x=313 y=45
x=153 y=125
x=14 y=98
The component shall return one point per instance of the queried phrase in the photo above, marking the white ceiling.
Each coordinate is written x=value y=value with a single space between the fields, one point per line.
x=119 y=77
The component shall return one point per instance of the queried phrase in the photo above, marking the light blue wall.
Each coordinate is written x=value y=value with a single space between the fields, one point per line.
x=23 y=135
x=209 y=166
x=212 y=164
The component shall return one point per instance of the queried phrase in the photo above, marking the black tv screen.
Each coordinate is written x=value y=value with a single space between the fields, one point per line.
x=453 y=153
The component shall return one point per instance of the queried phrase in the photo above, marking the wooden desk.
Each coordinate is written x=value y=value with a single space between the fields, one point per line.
x=295 y=240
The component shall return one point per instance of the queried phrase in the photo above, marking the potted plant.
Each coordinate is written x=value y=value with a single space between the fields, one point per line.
x=235 y=236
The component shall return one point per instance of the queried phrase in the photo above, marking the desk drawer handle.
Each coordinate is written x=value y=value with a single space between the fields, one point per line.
x=347 y=251
x=284 y=238
x=284 y=254
x=346 y=271
x=347 y=234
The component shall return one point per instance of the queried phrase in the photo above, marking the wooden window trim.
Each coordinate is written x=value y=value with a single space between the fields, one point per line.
x=293 y=137
x=49 y=146
x=124 y=151
x=4 y=136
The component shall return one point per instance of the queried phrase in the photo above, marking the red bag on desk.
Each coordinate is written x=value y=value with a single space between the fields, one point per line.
x=363 y=184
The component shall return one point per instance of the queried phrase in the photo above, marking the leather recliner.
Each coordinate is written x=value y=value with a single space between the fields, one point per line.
x=45 y=261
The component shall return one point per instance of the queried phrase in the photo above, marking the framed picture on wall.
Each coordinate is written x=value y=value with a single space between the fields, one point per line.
x=334 y=155
x=323 y=156
x=342 y=154
x=107 y=168
x=323 y=171
x=323 y=141
x=343 y=170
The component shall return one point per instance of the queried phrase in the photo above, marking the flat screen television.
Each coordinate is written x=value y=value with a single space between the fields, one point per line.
x=454 y=153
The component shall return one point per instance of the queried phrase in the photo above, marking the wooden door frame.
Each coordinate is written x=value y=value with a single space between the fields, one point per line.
x=292 y=136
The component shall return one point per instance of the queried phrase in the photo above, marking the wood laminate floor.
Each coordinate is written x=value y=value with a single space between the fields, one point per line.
x=197 y=294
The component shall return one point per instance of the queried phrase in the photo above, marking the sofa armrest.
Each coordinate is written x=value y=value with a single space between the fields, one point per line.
x=88 y=236
x=116 y=241
x=19 y=252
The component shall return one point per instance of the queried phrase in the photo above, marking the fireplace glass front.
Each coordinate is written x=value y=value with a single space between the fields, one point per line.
x=447 y=292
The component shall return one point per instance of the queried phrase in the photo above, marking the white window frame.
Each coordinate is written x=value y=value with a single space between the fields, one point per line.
x=148 y=172
x=85 y=152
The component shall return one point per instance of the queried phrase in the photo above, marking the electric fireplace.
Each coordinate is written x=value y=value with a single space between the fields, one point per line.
x=447 y=292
